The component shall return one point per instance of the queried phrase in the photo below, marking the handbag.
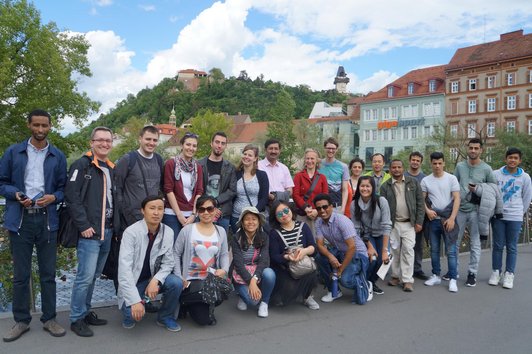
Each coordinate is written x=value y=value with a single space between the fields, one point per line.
x=305 y=265
x=251 y=268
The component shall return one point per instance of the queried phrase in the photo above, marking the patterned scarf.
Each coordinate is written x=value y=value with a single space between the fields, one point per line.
x=186 y=166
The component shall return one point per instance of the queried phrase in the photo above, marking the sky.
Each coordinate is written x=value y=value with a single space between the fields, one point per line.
x=135 y=44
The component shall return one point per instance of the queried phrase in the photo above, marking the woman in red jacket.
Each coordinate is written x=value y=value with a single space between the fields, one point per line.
x=183 y=185
x=307 y=184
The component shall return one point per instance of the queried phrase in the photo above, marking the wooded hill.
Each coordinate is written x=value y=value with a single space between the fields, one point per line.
x=262 y=100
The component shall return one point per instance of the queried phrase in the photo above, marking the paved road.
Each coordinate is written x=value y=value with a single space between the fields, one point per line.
x=483 y=319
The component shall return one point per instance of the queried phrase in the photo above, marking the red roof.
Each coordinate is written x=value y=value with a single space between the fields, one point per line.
x=248 y=132
x=511 y=45
x=419 y=77
x=192 y=71
x=166 y=129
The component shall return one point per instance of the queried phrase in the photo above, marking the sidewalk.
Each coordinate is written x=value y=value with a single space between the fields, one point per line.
x=482 y=319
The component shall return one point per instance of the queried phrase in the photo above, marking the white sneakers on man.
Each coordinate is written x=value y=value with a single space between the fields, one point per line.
x=330 y=298
x=495 y=278
x=433 y=280
x=452 y=286
x=508 y=281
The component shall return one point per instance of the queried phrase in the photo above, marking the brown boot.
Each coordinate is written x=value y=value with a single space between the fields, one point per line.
x=394 y=282
x=408 y=287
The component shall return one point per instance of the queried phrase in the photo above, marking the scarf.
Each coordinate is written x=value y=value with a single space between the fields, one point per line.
x=186 y=166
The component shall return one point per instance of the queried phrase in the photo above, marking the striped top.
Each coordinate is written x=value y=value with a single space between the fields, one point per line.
x=290 y=236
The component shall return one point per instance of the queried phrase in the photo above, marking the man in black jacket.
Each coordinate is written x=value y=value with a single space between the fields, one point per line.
x=89 y=196
x=219 y=179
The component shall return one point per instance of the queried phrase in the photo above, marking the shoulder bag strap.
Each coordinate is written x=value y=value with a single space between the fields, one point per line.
x=246 y=190
x=312 y=186
x=143 y=175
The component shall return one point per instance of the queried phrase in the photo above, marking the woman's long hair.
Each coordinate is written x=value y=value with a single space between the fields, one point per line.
x=273 y=218
x=255 y=149
x=374 y=199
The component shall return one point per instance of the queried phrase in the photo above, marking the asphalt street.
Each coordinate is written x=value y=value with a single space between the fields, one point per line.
x=483 y=319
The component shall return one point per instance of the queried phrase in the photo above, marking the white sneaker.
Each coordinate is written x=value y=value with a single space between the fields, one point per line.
x=330 y=298
x=311 y=303
x=263 y=309
x=495 y=278
x=370 y=291
x=508 y=281
x=452 y=286
x=241 y=305
x=433 y=280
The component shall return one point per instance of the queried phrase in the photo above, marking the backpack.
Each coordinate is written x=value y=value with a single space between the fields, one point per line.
x=361 y=288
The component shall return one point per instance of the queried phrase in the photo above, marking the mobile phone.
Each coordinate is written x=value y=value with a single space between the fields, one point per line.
x=22 y=196
x=39 y=195
x=471 y=184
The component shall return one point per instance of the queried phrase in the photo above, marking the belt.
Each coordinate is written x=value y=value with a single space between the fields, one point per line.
x=407 y=220
x=35 y=211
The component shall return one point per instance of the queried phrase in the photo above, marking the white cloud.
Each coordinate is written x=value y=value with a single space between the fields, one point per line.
x=147 y=8
x=104 y=2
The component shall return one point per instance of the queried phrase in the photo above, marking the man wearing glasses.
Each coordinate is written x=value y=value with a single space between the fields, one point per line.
x=89 y=195
x=345 y=255
x=337 y=175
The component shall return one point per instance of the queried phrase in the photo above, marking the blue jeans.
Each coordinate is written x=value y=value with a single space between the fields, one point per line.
x=266 y=285
x=224 y=222
x=33 y=231
x=359 y=263
x=505 y=233
x=436 y=234
x=171 y=221
x=171 y=290
x=92 y=255
x=470 y=218
x=375 y=265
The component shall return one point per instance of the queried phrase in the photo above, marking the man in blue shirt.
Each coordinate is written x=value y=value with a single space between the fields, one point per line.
x=32 y=179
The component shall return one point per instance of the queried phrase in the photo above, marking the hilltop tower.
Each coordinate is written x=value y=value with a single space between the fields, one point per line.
x=172 y=120
x=341 y=80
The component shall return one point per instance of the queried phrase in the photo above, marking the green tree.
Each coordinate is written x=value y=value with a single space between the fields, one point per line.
x=522 y=141
x=38 y=67
x=284 y=132
x=205 y=125
x=130 y=138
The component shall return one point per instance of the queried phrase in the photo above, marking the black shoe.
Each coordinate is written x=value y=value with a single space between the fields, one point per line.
x=471 y=280
x=81 y=328
x=377 y=290
x=420 y=275
x=93 y=320
x=151 y=308
x=446 y=277
x=213 y=321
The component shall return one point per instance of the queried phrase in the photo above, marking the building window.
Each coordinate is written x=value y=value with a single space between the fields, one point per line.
x=393 y=134
x=491 y=81
x=510 y=102
x=471 y=130
x=405 y=133
x=472 y=106
x=490 y=129
x=530 y=127
x=385 y=134
x=394 y=113
x=454 y=107
x=432 y=85
x=367 y=115
x=410 y=88
x=454 y=86
x=454 y=130
x=489 y=153
x=530 y=76
x=367 y=135
x=510 y=79
x=472 y=84
x=374 y=134
x=385 y=113
x=390 y=91
x=491 y=105
x=374 y=114
x=453 y=152
x=413 y=133
x=530 y=100
x=510 y=126
x=427 y=131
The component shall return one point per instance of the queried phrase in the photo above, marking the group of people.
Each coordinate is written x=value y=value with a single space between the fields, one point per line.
x=182 y=222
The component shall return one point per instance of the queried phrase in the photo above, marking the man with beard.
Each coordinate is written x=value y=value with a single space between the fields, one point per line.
x=470 y=173
x=281 y=183
x=219 y=179
x=32 y=179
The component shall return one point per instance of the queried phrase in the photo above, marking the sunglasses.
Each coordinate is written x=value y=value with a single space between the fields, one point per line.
x=208 y=209
x=323 y=207
x=191 y=135
x=285 y=211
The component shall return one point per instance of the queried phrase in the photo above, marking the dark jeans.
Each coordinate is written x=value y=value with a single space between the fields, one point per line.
x=418 y=251
x=375 y=265
x=33 y=231
x=359 y=263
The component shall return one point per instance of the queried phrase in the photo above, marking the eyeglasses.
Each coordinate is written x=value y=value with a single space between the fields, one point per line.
x=208 y=209
x=108 y=141
x=323 y=207
x=331 y=148
x=285 y=211
x=191 y=135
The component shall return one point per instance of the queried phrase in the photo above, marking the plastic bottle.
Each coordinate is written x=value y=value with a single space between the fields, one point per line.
x=334 y=287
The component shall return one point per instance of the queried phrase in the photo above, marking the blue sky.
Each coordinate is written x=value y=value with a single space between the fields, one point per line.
x=135 y=44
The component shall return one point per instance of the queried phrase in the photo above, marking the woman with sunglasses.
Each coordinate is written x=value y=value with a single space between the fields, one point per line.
x=371 y=216
x=183 y=185
x=252 y=277
x=201 y=248
x=252 y=186
x=308 y=183
x=290 y=241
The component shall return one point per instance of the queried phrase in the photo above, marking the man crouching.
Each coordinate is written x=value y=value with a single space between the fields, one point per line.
x=145 y=263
